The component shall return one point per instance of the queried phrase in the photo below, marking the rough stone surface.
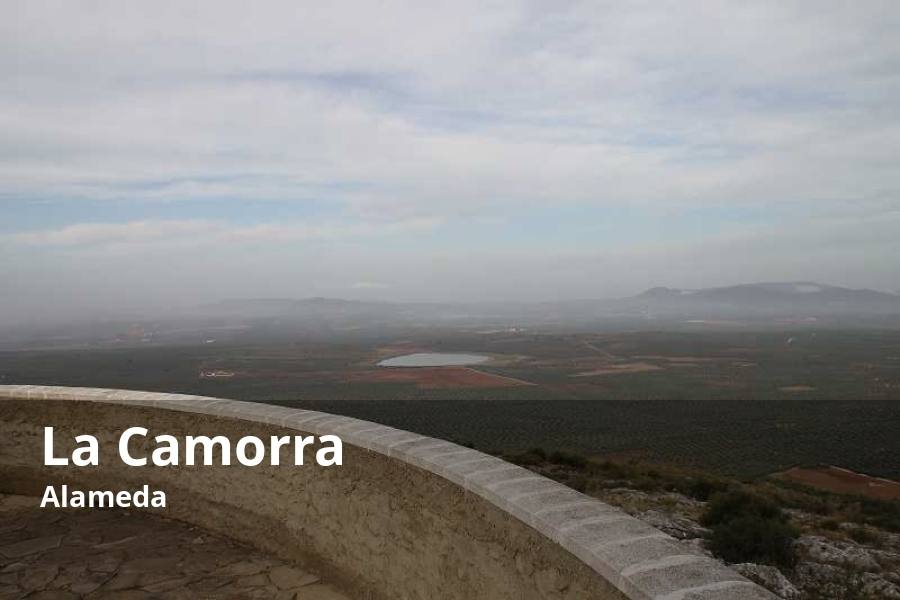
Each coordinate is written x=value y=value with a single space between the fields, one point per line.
x=678 y=527
x=822 y=550
x=875 y=586
x=771 y=578
x=30 y=546
x=287 y=578
x=152 y=557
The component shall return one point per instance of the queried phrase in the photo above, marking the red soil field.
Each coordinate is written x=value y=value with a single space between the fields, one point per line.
x=843 y=481
x=436 y=377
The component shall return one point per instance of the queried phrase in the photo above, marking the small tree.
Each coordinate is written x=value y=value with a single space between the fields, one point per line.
x=750 y=538
x=747 y=528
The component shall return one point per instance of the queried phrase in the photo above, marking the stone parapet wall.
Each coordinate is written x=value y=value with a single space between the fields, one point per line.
x=406 y=516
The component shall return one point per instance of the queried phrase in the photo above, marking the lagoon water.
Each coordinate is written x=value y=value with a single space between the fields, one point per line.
x=434 y=359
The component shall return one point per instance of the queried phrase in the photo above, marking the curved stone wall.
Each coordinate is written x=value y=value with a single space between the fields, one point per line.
x=406 y=516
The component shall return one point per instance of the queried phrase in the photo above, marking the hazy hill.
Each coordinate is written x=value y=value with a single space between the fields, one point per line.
x=796 y=299
x=759 y=304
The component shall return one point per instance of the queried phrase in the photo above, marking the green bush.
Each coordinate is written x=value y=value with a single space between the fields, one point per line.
x=734 y=503
x=884 y=514
x=751 y=538
x=528 y=459
x=611 y=470
x=570 y=459
x=861 y=535
x=749 y=528
x=539 y=452
x=579 y=483
x=830 y=524
x=703 y=488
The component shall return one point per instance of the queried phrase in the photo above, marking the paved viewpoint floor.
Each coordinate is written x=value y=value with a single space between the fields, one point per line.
x=55 y=554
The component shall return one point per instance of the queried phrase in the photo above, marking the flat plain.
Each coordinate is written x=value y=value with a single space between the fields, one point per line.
x=743 y=403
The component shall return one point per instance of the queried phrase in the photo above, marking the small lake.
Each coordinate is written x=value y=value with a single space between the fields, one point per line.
x=434 y=359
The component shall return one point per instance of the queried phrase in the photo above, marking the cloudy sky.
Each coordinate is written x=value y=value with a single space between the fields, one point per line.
x=163 y=153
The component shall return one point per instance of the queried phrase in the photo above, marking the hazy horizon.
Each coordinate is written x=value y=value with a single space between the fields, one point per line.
x=167 y=155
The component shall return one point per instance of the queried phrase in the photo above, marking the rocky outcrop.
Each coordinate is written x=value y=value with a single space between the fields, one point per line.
x=831 y=552
x=826 y=567
x=770 y=578
x=679 y=527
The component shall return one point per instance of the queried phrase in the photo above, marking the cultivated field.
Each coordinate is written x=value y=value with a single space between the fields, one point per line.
x=740 y=403
x=843 y=481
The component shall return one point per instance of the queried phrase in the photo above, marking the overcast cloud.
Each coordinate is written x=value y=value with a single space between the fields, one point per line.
x=165 y=153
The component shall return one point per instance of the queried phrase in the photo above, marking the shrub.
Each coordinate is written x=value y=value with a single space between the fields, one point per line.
x=884 y=514
x=752 y=538
x=861 y=535
x=830 y=524
x=570 y=459
x=612 y=470
x=734 y=503
x=528 y=459
x=539 y=452
x=579 y=483
x=748 y=528
x=702 y=488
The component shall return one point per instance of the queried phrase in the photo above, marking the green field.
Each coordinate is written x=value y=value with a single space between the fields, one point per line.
x=740 y=403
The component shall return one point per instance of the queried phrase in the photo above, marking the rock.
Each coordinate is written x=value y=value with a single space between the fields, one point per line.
x=698 y=545
x=26 y=547
x=165 y=585
x=107 y=563
x=205 y=586
x=125 y=595
x=878 y=587
x=10 y=592
x=114 y=543
x=37 y=579
x=682 y=501
x=318 y=592
x=770 y=578
x=161 y=564
x=14 y=567
x=811 y=575
x=13 y=503
x=251 y=581
x=243 y=568
x=286 y=578
x=123 y=581
x=821 y=550
x=89 y=583
x=885 y=556
x=54 y=595
x=68 y=574
x=678 y=527
x=828 y=581
x=108 y=555
x=6 y=528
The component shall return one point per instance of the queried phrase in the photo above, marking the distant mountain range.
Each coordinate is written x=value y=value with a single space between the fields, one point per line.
x=777 y=304
x=795 y=300
x=787 y=299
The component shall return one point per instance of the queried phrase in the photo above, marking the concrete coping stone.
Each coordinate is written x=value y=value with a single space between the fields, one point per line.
x=640 y=561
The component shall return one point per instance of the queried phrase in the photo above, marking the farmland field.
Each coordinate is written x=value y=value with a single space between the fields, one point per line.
x=739 y=403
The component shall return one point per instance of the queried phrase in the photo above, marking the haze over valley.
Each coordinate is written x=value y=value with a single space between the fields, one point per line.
x=777 y=305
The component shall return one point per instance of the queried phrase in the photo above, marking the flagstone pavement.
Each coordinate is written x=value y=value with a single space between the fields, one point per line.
x=51 y=554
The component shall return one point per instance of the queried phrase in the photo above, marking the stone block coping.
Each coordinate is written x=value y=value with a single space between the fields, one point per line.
x=639 y=560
